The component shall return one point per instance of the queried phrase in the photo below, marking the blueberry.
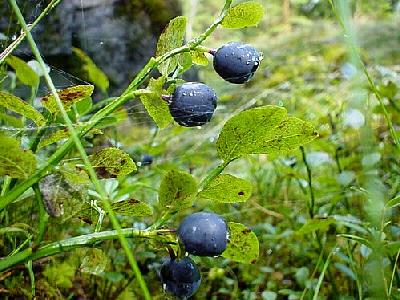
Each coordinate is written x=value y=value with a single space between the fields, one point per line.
x=180 y=278
x=204 y=234
x=146 y=160
x=236 y=62
x=193 y=104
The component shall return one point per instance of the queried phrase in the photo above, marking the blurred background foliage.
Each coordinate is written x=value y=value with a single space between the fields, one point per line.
x=353 y=166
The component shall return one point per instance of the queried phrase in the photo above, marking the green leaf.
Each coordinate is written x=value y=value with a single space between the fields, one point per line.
x=244 y=15
x=171 y=38
x=263 y=130
x=315 y=224
x=185 y=61
x=94 y=262
x=226 y=188
x=243 y=246
x=19 y=106
x=10 y=120
x=199 y=58
x=155 y=105
x=177 y=190
x=84 y=106
x=133 y=208
x=54 y=138
x=68 y=97
x=74 y=175
x=112 y=161
x=15 y=161
x=23 y=71
x=94 y=74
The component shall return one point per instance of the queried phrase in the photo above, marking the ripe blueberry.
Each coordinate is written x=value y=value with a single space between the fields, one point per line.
x=146 y=160
x=204 y=234
x=180 y=278
x=236 y=62
x=193 y=104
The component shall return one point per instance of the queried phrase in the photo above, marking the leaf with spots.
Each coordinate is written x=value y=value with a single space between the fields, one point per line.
x=171 y=38
x=243 y=246
x=112 y=162
x=245 y=14
x=19 y=106
x=94 y=262
x=94 y=74
x=24 y=72
x=226 y=188
x=68 y=97
x=263 y=130
x=177 y=190
x=132 y=208
x=155 y=105
x=15 y=161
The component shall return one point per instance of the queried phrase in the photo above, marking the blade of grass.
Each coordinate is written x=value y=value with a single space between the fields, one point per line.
x=321 y=276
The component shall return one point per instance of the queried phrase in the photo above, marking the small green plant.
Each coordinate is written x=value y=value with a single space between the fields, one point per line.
x=85 y=189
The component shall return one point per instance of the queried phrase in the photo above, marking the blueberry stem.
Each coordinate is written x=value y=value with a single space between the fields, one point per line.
x=167 y=98
x=212 y=52
x=171 y=252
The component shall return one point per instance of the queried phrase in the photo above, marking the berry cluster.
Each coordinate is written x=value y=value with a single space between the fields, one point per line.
x=193 y=104
x=202 y=234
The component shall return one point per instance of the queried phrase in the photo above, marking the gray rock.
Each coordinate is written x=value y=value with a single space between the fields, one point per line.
x=119 y=35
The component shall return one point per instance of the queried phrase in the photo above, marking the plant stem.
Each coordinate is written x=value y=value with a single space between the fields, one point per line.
x=212 y=174
x=309 y=177
x=74 y=243
x=43 y=216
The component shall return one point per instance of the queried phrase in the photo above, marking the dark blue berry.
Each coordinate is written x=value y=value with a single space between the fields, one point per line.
x=204 y=234
x=193 y=104
x=146 y=160
x=180 y=278
x=236 y=62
